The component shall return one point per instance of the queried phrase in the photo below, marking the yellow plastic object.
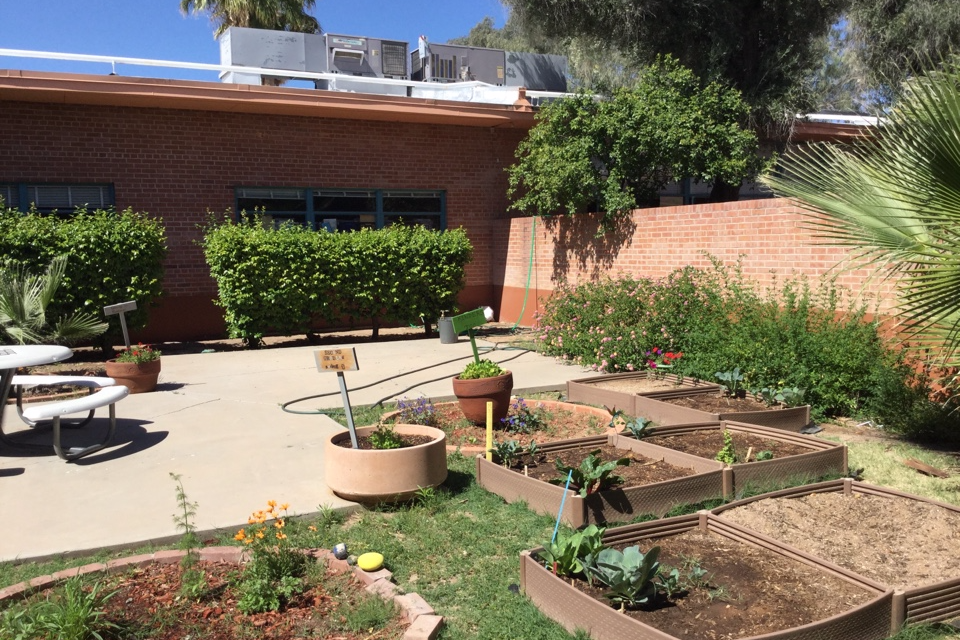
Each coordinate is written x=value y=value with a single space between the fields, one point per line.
x=370 y=561
x=489 y=432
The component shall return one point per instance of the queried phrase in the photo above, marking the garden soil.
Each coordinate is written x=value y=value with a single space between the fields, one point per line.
x=899 y=542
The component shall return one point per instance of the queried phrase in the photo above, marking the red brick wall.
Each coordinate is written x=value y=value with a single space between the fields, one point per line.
x=179 y=165
x=770 y=235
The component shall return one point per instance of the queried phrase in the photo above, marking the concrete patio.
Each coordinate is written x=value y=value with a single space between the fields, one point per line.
x=216 y=421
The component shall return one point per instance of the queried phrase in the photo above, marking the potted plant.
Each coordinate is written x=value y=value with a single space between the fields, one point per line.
x=136 y=368
x=392 y=463
x=480 y=382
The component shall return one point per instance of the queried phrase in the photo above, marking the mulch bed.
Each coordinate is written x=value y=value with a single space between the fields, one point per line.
x=148 y=604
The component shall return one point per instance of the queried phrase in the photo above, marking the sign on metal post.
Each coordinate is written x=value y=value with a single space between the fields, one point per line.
x=338 y=361
x=120 y=309
x=467 y=322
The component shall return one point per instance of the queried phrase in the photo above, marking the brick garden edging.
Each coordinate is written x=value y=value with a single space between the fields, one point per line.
x=423 y=621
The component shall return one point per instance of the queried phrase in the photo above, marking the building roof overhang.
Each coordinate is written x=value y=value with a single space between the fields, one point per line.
x=125 y=91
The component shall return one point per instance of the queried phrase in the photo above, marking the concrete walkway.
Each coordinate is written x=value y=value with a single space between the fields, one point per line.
x=216 y=421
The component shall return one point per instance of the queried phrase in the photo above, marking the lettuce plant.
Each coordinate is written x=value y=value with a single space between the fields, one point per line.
x=592 y=475
x=629 y=574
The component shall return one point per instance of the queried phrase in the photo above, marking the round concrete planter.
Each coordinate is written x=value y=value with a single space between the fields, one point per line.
x=386 y=475
x=474 y=395
x=139 y=378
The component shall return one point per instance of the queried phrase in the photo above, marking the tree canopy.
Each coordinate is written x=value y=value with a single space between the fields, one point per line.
x=280 y=15
x=764 y=48
x=612 y=155
x=894 y=41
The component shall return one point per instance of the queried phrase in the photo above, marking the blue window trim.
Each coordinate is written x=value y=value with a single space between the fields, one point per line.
x=24 y=199
x=309 y=216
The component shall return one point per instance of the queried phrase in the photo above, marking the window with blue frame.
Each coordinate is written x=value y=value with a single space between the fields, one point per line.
x=59 y=198
x=345 y=209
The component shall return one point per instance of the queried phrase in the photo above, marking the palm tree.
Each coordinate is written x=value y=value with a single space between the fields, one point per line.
x=895 y=200
x=280 y=15
x=24 y=298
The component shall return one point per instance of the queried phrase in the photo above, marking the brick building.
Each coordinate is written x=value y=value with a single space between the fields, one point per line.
x=181 y=150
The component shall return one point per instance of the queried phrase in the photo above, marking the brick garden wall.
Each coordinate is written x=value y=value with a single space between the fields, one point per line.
x=769 y=235
x=179 y=164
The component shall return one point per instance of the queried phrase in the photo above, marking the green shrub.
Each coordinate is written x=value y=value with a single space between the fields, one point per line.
x=283 y=280
x=790 y=334
x=111 y=257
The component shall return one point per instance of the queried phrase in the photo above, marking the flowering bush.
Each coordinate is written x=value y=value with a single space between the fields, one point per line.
x=138 y=354
x=418 y=411
x=276 y=568
x=788 y=334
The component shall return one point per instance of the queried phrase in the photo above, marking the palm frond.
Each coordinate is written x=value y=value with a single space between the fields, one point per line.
x=895 y=201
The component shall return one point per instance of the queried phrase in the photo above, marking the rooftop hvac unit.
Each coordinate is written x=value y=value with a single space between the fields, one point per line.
x=536 y=71
x=269 y=49
x=360 y=56
x=456 y=63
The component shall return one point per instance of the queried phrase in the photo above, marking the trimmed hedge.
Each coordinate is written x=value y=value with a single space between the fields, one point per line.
x=111 y=257
x=281 y=281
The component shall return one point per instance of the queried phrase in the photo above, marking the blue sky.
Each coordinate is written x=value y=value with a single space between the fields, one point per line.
x=156 y=29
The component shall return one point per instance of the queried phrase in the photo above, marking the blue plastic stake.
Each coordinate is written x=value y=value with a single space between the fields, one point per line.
x=563 y=500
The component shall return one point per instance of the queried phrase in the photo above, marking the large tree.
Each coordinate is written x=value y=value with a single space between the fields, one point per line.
x=281 y=15
x=586 y=154
x=894 y=40
x=765 y=48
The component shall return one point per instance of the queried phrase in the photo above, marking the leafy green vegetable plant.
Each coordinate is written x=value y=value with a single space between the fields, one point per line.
x=571 y=554
x=763 y=455
x=384 y=437
x=788 y=396
x=592 y=475
x=638 y=427
x=629 y=574
x=730 y=380
x=507 y=451
x=727 y=453
x=483 y=369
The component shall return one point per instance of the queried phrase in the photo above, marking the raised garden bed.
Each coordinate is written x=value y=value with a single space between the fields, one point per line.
x=619 y=389
x=702 y=480
x=797 y=459
x=707 y=407
x=753 y=587
x=901 y=540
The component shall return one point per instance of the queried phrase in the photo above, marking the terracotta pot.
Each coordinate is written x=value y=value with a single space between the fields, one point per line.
x=386 y=475
x=474 y=395
x=139 y=378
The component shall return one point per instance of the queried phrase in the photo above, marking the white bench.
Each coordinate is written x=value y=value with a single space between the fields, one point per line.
x=20 y=383
x=100 y=397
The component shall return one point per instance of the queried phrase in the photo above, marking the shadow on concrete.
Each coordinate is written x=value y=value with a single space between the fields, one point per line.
x=9 y=473
x=131 y=437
